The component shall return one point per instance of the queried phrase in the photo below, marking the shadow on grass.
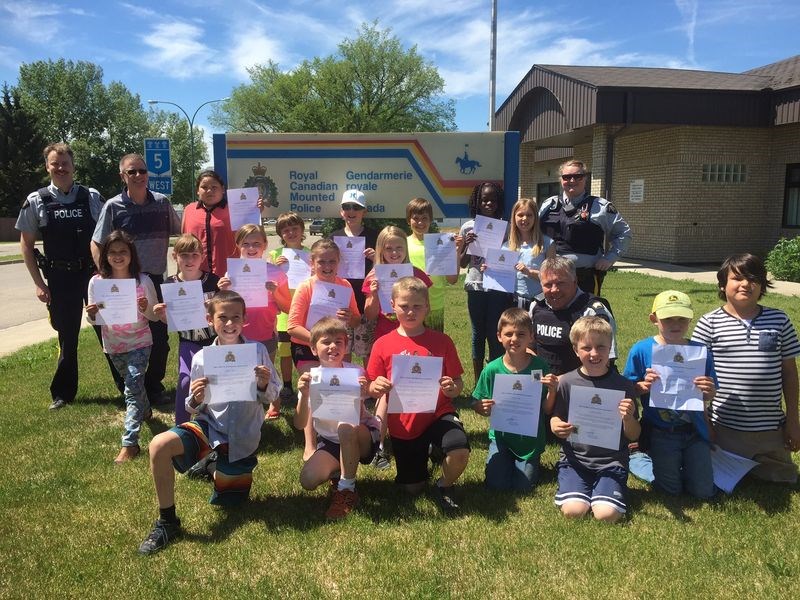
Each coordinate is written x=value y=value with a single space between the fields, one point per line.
x=772 y=498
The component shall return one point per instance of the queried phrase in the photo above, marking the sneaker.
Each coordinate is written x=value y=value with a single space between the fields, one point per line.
x=162 y=534
x=204 y=468
x=58 y=402
x=381 y=460
x=160 y=398
x=342 y=503
x=287 y=396
x=445 y=499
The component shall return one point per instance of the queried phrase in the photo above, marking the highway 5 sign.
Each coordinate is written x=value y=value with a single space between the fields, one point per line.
x=159 y=164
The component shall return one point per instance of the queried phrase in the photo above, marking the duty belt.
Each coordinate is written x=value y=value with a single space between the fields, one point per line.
x=68 y=265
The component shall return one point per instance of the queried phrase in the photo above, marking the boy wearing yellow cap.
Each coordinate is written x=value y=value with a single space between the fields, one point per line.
x=677 y=441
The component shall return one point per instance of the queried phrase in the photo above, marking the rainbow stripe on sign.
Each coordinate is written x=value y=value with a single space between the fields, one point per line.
x=448 y=194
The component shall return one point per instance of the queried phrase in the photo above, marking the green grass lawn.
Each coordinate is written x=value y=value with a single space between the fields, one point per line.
x=71 y=521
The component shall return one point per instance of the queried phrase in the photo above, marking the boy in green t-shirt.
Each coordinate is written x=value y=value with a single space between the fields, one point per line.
x=513 y=462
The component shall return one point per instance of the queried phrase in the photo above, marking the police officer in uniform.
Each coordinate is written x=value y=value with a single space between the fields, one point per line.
x=581 y=225
x=553 y=316
x=65 y=214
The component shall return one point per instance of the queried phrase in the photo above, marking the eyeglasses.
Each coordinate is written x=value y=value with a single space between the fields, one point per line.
x=352 y=207
x=132 y=172
x=573 y=176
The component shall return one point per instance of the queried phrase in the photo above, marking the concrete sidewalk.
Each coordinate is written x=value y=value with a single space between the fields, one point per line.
x=14 y=338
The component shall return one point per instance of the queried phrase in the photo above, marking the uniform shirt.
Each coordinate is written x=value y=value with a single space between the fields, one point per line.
x=603 y=214
x=748 y=360
x=149 y=224
x=236 y=423
x=33 y=215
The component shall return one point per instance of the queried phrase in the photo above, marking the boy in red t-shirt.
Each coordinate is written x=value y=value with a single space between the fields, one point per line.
x=413 y=433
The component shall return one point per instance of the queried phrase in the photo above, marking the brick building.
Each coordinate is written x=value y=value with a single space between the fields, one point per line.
x=701 y=164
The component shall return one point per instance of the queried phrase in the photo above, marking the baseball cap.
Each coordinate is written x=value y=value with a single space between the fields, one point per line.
x=672 y=304
x=354 y=197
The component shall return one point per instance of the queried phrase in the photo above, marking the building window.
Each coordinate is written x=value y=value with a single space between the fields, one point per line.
x=545 y=190
x=725 y=173
x=791 y=196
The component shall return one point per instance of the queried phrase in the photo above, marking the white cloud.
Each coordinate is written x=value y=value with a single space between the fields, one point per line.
x=178 y=52
x=138 y=12
x=688 y=10
x=256 y=47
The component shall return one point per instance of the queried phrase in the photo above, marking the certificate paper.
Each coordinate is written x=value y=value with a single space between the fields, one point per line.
x=116 y=301
x=298 y=269
x=440 y=254
x=335 y=395
x=729 y=468
x=490 y=233
x=501 y=272
x=594 y=412
x=326 y=300
x=517 y=402
x=231 y=373
x=677 y=366
x=243 y=207
x=351 y=262
x=186 y=308
x=415 y=383
x=249 y=279
x=386 y=276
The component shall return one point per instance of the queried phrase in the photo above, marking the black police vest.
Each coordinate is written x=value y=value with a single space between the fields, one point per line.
x=572 y=230
x=69 y=228
x=551 y=332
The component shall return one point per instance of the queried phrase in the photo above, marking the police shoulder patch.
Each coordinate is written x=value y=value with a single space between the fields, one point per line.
x=610 y=209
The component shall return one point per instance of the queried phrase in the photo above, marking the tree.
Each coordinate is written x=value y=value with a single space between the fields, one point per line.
x=21 y=162
x=173 y=126
x=371 y=84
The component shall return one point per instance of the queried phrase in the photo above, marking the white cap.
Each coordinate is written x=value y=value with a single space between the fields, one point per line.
x=354 y=197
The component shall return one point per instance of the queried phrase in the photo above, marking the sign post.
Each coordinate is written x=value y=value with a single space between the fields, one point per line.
x=159 y=165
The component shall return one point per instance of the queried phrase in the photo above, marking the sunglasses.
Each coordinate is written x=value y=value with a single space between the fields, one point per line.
x=352 y=207
x=573 y=176
x=132 y=172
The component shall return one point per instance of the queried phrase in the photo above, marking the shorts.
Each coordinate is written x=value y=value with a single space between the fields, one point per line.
x=271 y=344
x=607 y=486
x=284 y=345
x=765 y=447
x=411 y=456
x=302 y=354
x=333 y=448
x=232 y=480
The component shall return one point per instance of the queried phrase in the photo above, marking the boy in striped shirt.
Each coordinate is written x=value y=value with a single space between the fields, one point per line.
x=754 y=350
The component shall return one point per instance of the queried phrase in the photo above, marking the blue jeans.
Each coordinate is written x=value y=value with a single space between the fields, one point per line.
x=681 y=460
x=131 y=366
x=506 y=472
x=484 y=310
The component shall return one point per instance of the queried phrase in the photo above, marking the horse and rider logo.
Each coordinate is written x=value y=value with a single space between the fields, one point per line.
x=465 y=164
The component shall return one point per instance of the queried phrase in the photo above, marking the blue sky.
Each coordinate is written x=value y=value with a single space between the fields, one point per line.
x=190 y=51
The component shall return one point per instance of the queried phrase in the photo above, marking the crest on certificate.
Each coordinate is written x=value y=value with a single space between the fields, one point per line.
x=334 y=380
x=246 y=268
x=243 y=196
x=393 y=274
x=501 y=258
x=297 y=257
x=315 y=376
x=536 y=375
x=114 y=289
x=489 y=227
x=230 y=357
x=331 y=293
x=439 y=242
x=678 y=358
x=596 y=399
x=416 y=369
x=517 y=385
x=181 y=291
x=349 y=244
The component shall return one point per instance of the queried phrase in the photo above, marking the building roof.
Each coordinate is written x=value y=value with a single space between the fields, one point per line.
x=783 y=74
x=646 y=77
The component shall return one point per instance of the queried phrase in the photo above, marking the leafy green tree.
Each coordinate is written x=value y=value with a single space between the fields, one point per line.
x=21 y=163
x=371 y=84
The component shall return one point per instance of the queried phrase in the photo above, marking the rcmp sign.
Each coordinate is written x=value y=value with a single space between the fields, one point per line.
x=308 y=173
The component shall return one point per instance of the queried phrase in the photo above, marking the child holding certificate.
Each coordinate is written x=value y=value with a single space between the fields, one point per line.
x=231 y=428
x=413 y=433
x=593 y=476
x=419 y=216
x=325 y=264
x=188 y=255
x=755 y=350
x=676 y=440
x=291 y=228
x=127 y=343
x=341 y=445
x=513 y=461
x=484 y=306
x=533 y=246
x=390 y=249
x=251 y=242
